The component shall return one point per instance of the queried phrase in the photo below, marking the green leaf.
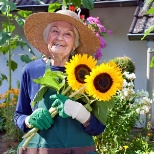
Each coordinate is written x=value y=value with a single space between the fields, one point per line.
x=100 y=109
x=7 y=5
x=53 y=6
x=25 y=58
x=3 y=76
x=147 y=31
x=76 y=3
x=13 y=65
x=24 y=13
x=3 y=7
x=12 y=5
x=21 y=44
x=39 y=95
x=89 y=4
x=4 y=49
x=4 y=36
x=30 y=49
x=152 y=62
x=53 y=79
x=150 y=11
x=11 y=27
x=20 y=21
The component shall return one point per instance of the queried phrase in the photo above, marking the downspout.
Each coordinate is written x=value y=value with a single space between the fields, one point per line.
x=150 y=76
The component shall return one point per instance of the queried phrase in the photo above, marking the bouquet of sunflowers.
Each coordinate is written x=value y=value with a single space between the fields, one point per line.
x=84 y=80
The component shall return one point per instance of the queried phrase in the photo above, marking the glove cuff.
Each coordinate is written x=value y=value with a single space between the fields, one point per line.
x=27 y=121
x=83 y=114
x=76 y=110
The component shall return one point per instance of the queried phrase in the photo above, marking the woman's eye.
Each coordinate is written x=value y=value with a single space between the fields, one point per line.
x=68 y=34
x=54 y=31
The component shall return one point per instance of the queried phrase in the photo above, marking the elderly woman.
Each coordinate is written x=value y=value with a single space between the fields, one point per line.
x=56 y=35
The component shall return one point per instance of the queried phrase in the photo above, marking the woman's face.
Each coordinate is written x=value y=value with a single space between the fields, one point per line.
x=61 y=38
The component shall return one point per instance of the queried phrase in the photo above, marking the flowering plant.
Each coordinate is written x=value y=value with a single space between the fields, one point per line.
x=141 y=100
x=129 y=105
x=8 y=101
x=95 y=25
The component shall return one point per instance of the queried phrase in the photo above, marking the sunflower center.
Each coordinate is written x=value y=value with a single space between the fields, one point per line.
x=80 y=72
x=103 y=82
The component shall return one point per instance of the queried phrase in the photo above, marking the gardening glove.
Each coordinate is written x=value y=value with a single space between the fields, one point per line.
x=40 y=118
x=71 y=108
x=59 y=101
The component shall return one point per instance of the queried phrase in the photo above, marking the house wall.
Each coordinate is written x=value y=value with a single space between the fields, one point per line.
x=117 y=19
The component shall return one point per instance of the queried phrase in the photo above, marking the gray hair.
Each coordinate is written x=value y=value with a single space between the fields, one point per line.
x=47 y=30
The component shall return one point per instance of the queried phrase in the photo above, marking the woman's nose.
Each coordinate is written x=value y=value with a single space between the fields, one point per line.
x=60 y=36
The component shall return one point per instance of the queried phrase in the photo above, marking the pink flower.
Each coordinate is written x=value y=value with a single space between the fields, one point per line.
x=95 y=25
x=93 y=20
x=102 y=42
x=109 y=32
x=98 y=55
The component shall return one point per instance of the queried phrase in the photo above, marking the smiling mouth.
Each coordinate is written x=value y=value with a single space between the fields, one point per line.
x=57 y=44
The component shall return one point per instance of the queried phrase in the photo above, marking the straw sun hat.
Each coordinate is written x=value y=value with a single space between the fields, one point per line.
x=37 y=22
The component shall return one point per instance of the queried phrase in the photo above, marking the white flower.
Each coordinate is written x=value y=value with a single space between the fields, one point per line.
x=128 y=76
x=143 y=109
x=131 y=84
x=146 y=108
x=141 y=98
x=125 y=83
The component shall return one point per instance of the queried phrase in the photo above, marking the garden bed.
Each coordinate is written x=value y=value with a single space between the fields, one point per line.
x=6 y=145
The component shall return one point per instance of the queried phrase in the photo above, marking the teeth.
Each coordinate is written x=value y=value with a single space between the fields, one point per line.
x=57 y=44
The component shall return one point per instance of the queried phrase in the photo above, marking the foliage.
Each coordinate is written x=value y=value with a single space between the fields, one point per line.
x=2 y=121
x=7 y=108
x=129 y=105
x=140 y=144
x=125 y=63
x=9 y=41
x=150 y=28
x=89 y=4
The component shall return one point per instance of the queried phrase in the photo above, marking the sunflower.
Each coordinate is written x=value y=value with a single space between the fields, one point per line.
x=104 y=81
x=77 y=68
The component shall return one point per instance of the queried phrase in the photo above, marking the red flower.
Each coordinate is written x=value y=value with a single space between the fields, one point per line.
x=82 y=16
x=72 y=8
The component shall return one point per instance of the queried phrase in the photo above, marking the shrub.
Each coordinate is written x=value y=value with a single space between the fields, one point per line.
x=118 y=137
x=125 y=63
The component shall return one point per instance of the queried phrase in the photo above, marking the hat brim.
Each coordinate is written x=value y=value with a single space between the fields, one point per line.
x=36 y=23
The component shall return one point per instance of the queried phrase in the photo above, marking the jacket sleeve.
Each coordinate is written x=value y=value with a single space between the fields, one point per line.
x=23 y=108
x=95 y=127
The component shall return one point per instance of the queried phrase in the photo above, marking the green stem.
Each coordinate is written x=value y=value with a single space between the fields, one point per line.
x=53 y=112
x=9 y=51
x=24 y=146
x=78 y=91
x=9 y=66
x=66 y=90
x=33 y=131
x=69 y=4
